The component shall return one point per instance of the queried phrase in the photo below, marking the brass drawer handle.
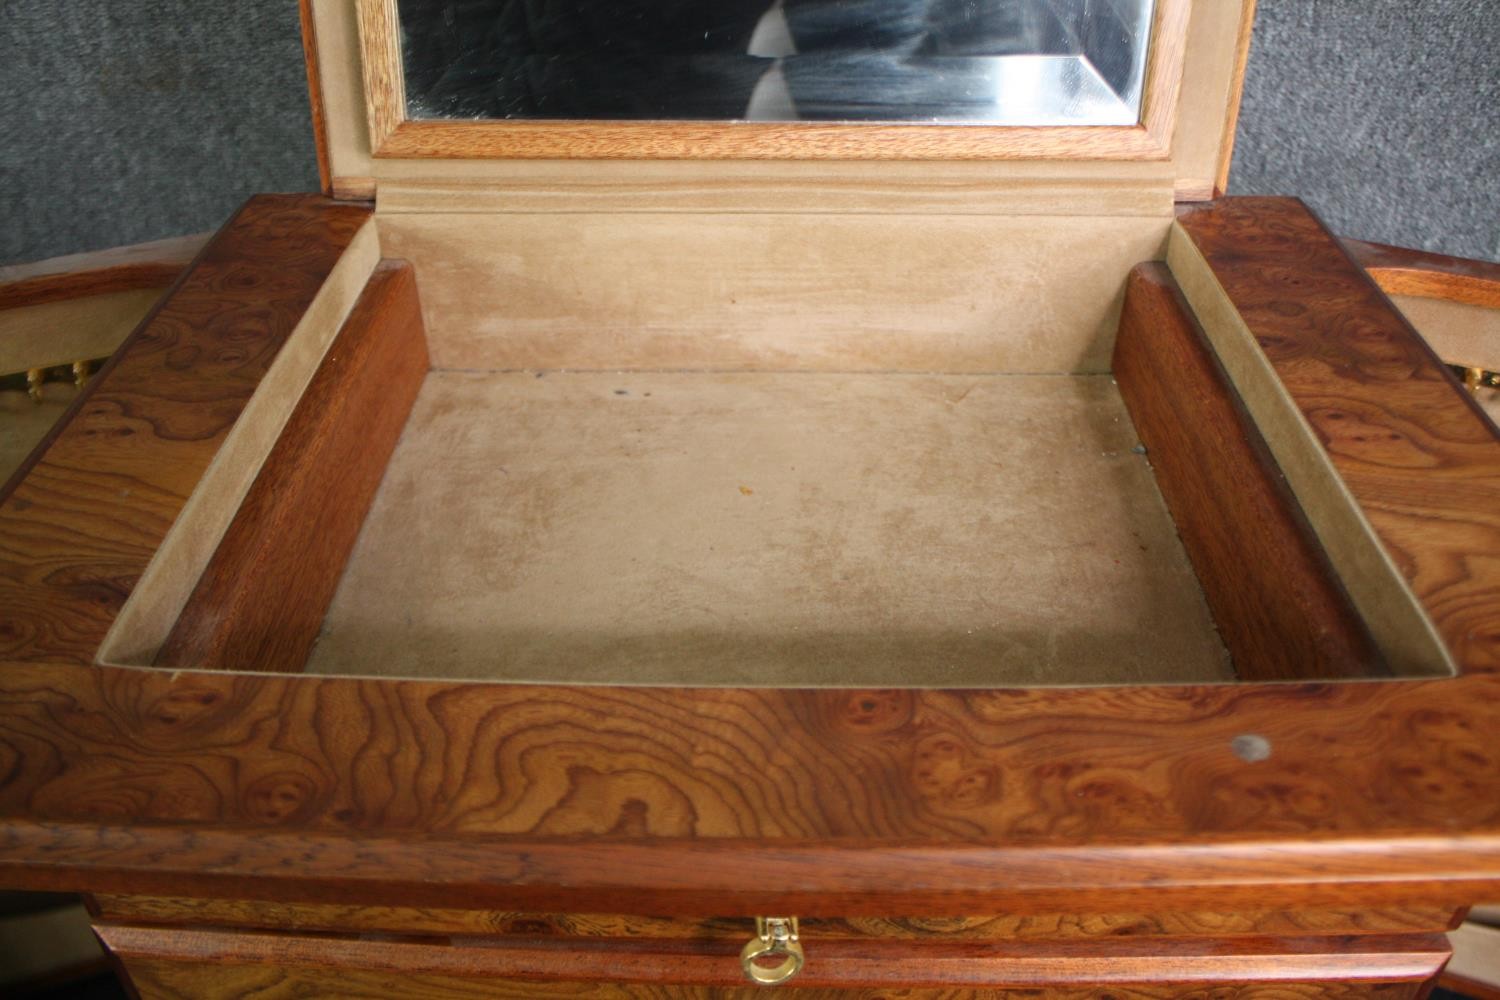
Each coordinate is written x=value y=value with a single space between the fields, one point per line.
x=775 y=938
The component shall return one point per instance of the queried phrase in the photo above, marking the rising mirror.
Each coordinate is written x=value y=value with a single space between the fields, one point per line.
x=989 y=62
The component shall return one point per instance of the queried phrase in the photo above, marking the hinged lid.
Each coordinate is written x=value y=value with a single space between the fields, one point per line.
x=405 y=88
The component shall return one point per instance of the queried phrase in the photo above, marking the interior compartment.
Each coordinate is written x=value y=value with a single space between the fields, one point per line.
x=981 y=513
x=770 y=528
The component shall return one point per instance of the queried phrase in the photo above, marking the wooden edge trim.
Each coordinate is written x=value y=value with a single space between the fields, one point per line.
x=388 y=919
x=156 y=264
x=260 y=601
x=1276 y=601
x=755 y=140
x=1236 y=96
x=384 y=79
x=393 y=135
x=8 y=487
x=735 y=876
x=67 y=569
x=168 y=579
x=315 y=94
x=831 y=963
x=1399 y=271
x=1378 y=417
x=1403 y=632
x=1164 y=71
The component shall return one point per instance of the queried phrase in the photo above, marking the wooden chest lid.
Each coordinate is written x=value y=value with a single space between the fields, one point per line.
x=438 y=90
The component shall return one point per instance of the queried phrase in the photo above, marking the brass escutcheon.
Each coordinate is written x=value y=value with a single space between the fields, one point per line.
x=775 y=937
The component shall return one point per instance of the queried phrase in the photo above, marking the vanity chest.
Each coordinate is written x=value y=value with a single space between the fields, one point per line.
x=841 y=505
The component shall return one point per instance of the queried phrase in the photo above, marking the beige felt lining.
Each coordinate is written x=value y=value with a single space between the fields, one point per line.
x=24 y=422
x=59 y=333
x=772 y=292
x=342 y=86
x=1206 y=112
x=1005 y=187
x=1460 y=333
x=1400 y=626
x=163 y=589
x=770 y=529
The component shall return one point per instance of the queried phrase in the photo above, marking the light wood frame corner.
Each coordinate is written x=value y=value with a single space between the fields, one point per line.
x=394 y=135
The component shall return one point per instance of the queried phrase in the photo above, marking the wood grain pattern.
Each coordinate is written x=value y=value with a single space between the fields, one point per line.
x=394 y=135
x=262 y=597
x=165 y=980
x=545 y=140
x=724 y=801
x=1399 y=271
x=1414 y=449
x=263 y=915
x=384 y=76
x=1274 y=596
x=831 y=964
x=147 y=426
x=121 y=269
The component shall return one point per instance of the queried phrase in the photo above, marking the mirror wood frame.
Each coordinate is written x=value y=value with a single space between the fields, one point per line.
x=393 y=134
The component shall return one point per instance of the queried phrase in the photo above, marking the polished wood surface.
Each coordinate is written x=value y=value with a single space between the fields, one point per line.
x=1415 y=450
x=202 y=912
x=261 y=600
x=143 y=430
x=831 y=964
x=1275 y=599
x=121 y=269
x=392 y=134
x=704 y=801
x=165 y=980
x=1399 y=271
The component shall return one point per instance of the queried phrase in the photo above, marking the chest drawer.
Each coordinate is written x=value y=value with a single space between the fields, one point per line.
x=687 y=959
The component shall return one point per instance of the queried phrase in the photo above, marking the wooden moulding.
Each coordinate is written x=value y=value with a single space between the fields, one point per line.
x=155 y=910
x=394 y=135
x=163 y=980
x=677 y=802
x=1412 y=447
x=150 y=423
x=831 y=965
x=1399 y=271
x=1274 y=596
x=121 y=269
x=261 y=599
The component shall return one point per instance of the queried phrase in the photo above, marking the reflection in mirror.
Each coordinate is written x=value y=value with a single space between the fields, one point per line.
x=995 y=62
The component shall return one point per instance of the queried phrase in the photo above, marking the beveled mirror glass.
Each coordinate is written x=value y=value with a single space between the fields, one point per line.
x=990 y=62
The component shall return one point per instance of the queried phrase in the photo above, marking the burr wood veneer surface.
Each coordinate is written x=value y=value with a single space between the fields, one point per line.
x=786 y=529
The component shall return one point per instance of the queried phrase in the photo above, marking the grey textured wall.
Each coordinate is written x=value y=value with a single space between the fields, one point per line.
x=1384 y=115
x=129 y=121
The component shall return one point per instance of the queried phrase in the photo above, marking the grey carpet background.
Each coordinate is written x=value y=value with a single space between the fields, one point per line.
x=124 y=122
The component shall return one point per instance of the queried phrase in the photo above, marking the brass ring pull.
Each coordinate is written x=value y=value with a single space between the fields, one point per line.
x=775 y=937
